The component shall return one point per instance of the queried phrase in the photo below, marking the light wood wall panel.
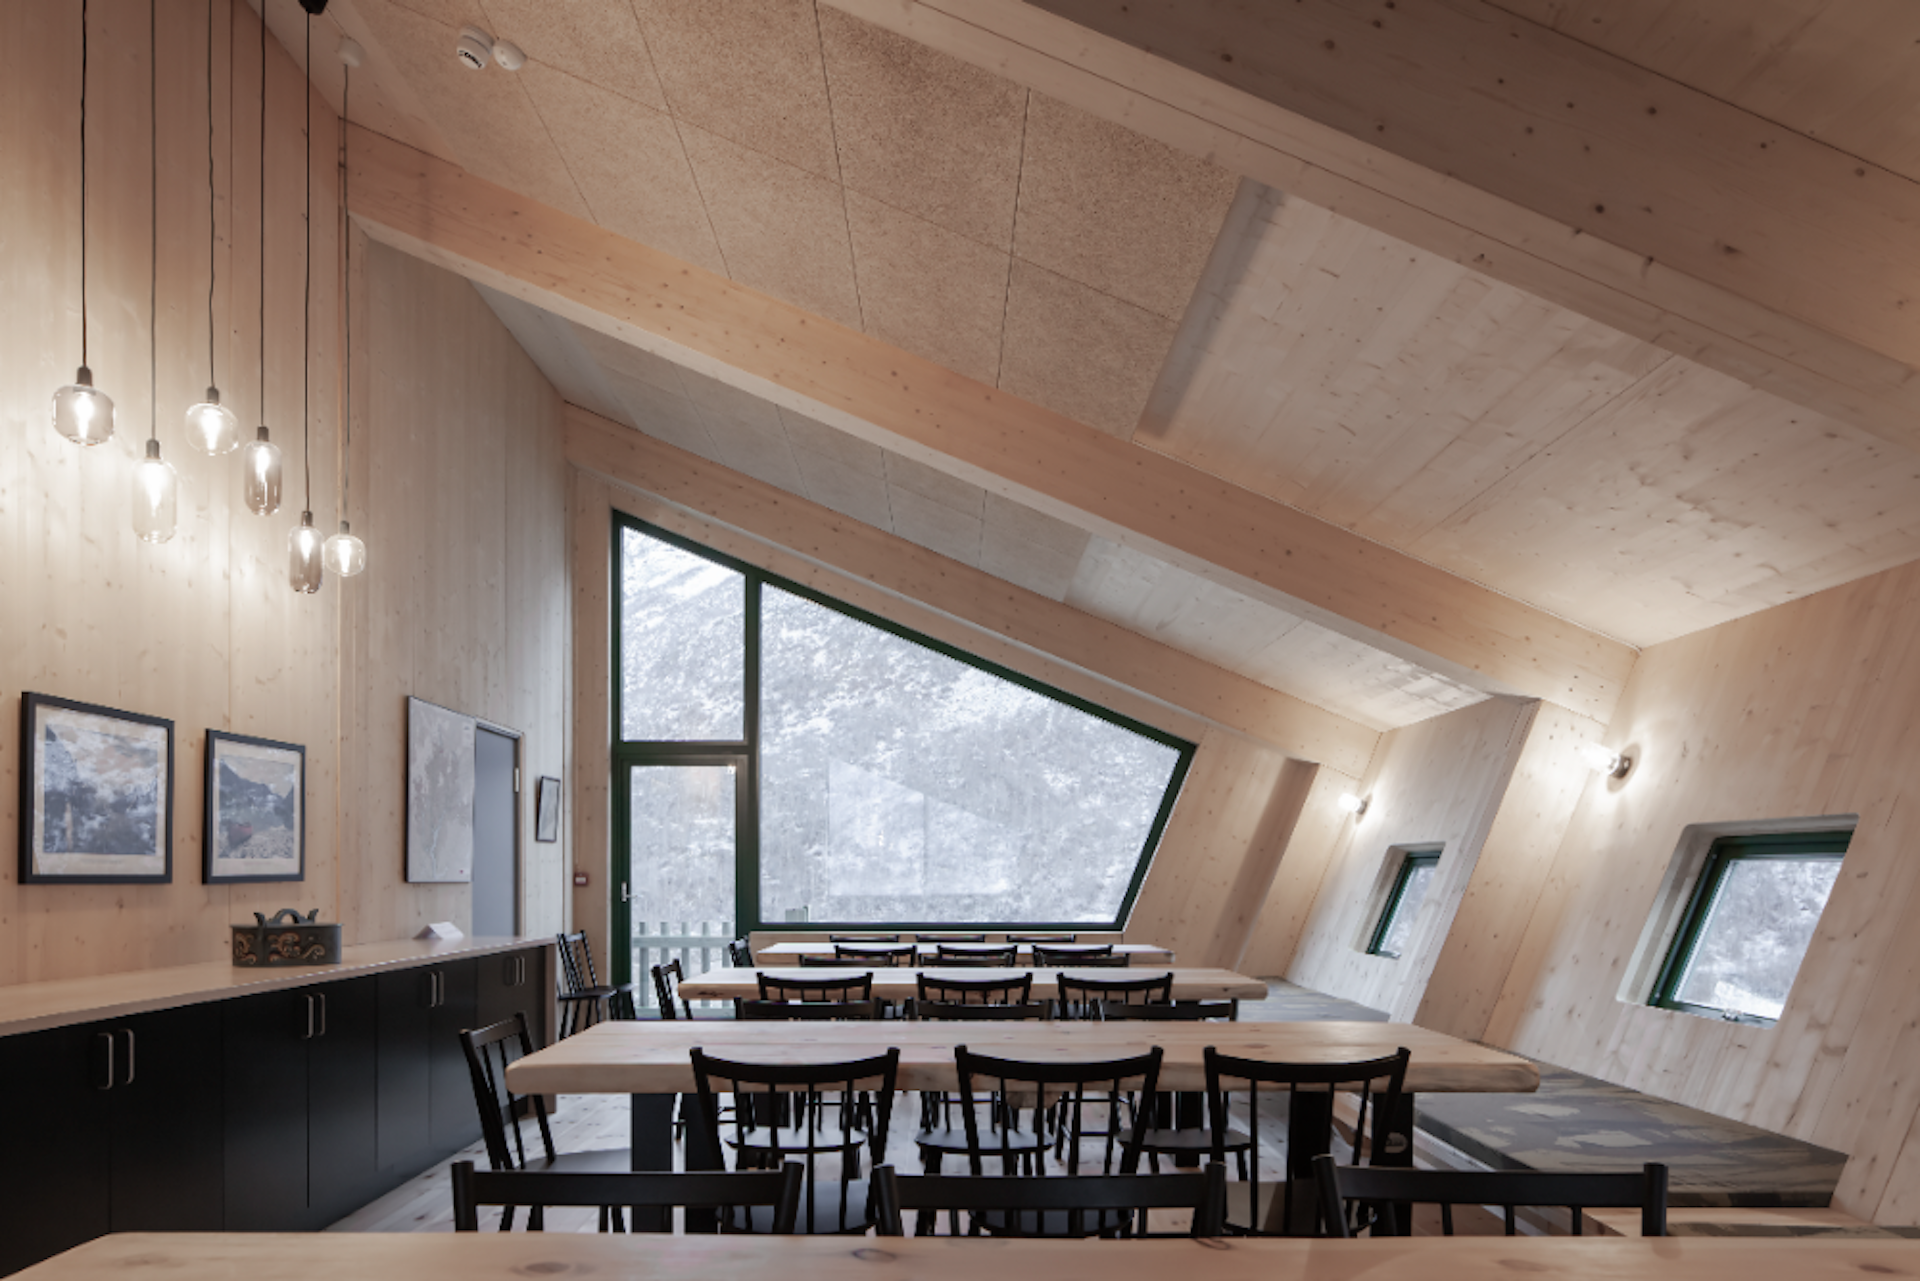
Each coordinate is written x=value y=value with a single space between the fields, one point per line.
x=1436 y=783
x=1291 y=897
x=1803 y=710
x=204 y=629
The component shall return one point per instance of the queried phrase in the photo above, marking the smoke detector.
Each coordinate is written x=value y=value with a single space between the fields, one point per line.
x=475 y=48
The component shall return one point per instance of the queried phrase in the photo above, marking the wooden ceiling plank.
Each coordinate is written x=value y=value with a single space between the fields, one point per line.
x=1020 y=450
x=1799 y=331
x=897 y=566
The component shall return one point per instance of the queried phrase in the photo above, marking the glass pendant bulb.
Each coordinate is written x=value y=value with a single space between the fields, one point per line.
x=156 y=496
x=212 y=427
x=344 y=553
x=81 y=412
x=303 y=556
x=261 y=459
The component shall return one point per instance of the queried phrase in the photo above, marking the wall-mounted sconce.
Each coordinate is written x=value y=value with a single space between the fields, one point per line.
x=1354 y=805
x=1604 y=760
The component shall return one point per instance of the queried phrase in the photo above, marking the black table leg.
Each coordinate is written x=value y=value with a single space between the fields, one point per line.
x=650 y=1131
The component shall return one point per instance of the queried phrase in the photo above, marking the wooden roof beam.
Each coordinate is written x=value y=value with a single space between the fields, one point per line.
x=1035 y=456
x=1505 y=146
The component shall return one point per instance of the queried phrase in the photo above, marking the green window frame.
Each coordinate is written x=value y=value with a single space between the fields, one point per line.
x=1411 y=862
x=745 y=752
x=1722 y=857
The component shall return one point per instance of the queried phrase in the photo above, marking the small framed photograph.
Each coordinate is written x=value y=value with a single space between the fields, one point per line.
x=96 y=794
x=256 y=810
x=546 y=810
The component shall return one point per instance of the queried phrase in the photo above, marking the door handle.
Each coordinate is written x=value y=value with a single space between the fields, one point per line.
x=130 y=1068
x=321 y=997
x=308 y=998
x=108 y=1038
x=623 y=892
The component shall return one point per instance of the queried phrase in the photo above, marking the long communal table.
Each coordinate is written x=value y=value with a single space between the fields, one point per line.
x=491 y=1256
x=902 y=984
x=790 y=953
x=651 y=1061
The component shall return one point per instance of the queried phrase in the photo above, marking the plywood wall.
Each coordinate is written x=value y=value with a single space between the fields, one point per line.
x=1804 y=710
x=1295 y=890
x=1436 y=783
x=204 y=629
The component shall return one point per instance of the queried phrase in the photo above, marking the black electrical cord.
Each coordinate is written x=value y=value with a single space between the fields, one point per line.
x=83 y=184
x=212 y=237
x=153 y=260
x=306 y=329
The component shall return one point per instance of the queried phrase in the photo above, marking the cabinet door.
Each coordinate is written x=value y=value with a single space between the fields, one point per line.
x=266 y=1039
x=343 y=1169
x=165 y=1113
x=54 y=1183
x=405 y=1075
x=456 y=1118
x=508 y=984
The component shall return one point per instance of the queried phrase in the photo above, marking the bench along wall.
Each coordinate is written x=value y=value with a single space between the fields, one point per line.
x=459 y=489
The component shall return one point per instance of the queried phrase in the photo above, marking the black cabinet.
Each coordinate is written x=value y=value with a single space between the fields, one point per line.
x=54 y=1184
x=405 y=1002
x=343 y=1168
x=511 y=984
x=456 y=1119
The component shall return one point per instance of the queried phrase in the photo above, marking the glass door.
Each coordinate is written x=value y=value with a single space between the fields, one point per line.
x=676 y=850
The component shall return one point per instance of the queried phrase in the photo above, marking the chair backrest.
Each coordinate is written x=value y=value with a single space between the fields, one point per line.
x=576 y=962
x=1052 y=958
x=839 y=987
x=938 y=939
x=740 y=954
x=995 y=991
x=1093 y=1204
x=1084 y=996
x=724 y=1191
x=857 y=1121
x=984 y=1078
x=1177 y=1012
x=666 y=990
x=1377 y=1192
x=977 y=954
x=1050 y=939
x=808 y=1011
x=902 y=954
x=863 y=938
x=488 y=1051
x=1379 y=1083
x=955 y=1011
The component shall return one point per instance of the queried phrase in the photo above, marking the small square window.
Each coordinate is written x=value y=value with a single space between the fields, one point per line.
x=1748 y=923
x=1403 y=903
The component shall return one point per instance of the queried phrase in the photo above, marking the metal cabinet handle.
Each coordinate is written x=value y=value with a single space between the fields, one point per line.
x=308 y=998
x=130 y=1068
x=108 y=1038
x=321 y=997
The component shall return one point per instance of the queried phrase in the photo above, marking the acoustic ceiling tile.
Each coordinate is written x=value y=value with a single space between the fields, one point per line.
x=1080 y=352
x=926 y=290
x=594 y=40
x=634 y=362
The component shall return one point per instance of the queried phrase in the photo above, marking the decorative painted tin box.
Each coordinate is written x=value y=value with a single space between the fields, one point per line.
x=288 y=939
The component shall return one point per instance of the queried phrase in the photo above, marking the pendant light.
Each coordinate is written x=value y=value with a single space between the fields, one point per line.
x=211 y=426
x=344 y=553
x=260 y=460
x=304 y=544
x=81 y=412
x=156 y=489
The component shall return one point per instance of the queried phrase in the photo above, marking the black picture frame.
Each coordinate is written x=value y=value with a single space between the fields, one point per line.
x=113 y=807
x=546 y=809
x=216 y=868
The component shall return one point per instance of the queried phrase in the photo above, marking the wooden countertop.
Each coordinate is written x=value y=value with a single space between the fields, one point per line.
x=493 y=1256
x=900 y=984
x=652 y=1057
x=30 y=1007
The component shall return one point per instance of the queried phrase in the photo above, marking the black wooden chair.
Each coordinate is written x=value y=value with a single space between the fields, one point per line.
x=976 y=954
x=840 y=987
x=1180 y=1127
x=839 y=1127
x=740 y=954
x=587 y=1000
x=896 y=956
x=863 y=938
x=666 y=990
x=734 y=1196
x=1370 y=1198
x=488 y=1051
x=967 y=991
x=1084 y=996
x=1113 y=1205
x=809 y=1011
x=1058 y=957
x=938 y=939
x=1308 y=1089
x=1049 y=940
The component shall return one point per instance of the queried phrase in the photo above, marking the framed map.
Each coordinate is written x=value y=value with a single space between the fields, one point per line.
x=96 y=794
x=256 y=810
x=439 y=794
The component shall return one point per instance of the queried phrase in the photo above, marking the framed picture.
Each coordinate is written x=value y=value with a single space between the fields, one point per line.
x=440 y=782
x=256 y=811
x=96 y=794
x=546 y=810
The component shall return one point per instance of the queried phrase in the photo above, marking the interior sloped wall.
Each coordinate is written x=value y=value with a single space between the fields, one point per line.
x=204 y=629
x=1295 y=888
x=1439 y=782
x=1806 y=709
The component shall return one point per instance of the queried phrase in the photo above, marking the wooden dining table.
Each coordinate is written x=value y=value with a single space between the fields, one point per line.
x=651 y=1061
x=891 y=984
x=790 y=953
x=493 y=1256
